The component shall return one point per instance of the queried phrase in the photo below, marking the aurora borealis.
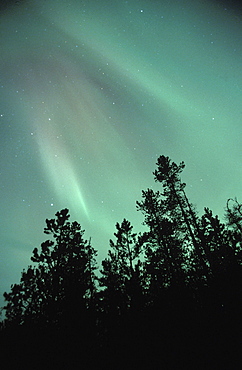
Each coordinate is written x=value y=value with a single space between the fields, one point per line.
x=92 y=92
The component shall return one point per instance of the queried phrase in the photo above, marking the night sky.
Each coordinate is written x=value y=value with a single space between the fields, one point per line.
x=92 y=92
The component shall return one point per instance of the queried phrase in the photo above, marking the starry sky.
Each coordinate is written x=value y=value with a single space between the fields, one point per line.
x=92 y=92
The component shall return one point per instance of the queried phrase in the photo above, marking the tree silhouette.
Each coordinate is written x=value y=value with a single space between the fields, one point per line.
x=173 y=292
x=180 y=209
x=122 y=270
x=176 y=254
x=233 y=214
x=163 y=249
x=62 y=284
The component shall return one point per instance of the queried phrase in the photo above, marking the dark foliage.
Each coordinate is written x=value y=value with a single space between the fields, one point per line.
x=169 y=298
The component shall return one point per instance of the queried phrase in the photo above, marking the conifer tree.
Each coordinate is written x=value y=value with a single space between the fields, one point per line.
x=164 y=253
x=233 y=215
x=122 y=270
x=61 y=284
x=180 y=209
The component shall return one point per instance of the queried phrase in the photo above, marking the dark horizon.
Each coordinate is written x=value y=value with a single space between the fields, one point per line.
x=165 y=297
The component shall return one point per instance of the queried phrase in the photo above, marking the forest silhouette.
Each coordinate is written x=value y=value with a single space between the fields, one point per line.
x=167 y=298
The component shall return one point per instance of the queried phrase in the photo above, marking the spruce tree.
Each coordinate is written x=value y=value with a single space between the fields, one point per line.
x=60 y=287
x=122 y=270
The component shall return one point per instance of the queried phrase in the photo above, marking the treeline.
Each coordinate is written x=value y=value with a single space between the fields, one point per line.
x=167 y=298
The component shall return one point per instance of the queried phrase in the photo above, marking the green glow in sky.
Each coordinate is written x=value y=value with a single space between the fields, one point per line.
x=92 y=92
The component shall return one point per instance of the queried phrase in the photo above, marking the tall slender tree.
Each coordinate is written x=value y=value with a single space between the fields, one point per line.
x=164 y=251
x=179 y=207
x=122 y=270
